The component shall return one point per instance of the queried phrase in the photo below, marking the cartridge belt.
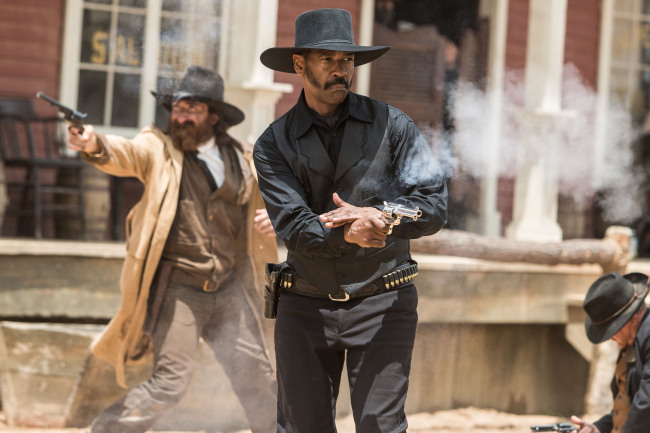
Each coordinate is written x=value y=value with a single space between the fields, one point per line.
x=181 y=277
x=397 y=278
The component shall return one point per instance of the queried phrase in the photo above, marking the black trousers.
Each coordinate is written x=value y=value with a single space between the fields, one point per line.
x=314 y=337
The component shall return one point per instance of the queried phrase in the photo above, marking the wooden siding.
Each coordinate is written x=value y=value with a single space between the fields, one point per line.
x=30 y=48
x=583 y=38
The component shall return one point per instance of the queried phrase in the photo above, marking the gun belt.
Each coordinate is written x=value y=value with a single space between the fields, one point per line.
x=399 y=277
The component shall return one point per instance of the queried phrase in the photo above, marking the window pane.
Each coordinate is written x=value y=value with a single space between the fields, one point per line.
x=624 y=5
x=172 y=49
x=644 y=42
x=95 y=40
x=129 y=40
x=191 y=41
x=104 y=2
x=622 y=41
x=204 y=43
x=212 y=7
x=172 y=5
x=134 y=3
x=126 y=100
x=92 y=95
x=645 y=8
x=619 y=84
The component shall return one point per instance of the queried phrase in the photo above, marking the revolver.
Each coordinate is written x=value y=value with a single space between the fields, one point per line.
x=394 y=212
x=73 y=116
x=561 y=427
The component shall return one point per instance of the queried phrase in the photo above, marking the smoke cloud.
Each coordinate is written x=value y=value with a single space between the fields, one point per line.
x=568 y=136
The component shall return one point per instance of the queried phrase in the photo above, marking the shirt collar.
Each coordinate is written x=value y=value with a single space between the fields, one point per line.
x=207 y=146
x=305 y=119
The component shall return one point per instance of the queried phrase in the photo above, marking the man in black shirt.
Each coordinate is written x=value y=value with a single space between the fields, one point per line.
x=326 y=169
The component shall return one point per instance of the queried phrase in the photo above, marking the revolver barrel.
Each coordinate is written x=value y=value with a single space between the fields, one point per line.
x=395 y=212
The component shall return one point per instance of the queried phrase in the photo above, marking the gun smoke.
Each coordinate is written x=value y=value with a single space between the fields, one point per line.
x=568 y=136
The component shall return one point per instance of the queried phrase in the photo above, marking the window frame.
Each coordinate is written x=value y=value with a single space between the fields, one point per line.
x=71 y=60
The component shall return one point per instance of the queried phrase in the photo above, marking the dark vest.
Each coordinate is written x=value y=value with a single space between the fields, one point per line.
x=208 y=224
x=363 y=180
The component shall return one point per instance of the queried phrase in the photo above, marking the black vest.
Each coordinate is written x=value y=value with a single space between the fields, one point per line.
x=364 y=176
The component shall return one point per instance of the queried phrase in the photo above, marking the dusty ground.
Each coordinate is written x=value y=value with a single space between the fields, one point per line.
x=467 y=420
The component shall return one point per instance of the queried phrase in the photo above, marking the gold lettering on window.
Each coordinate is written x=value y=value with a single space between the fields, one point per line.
x=99 y=47
x=644 y=36
x=126 y=52
x=172 y=55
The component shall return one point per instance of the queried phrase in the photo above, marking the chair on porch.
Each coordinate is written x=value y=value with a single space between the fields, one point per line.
x=40 y=178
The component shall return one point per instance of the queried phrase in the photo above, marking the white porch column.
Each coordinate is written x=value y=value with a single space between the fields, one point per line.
x=251 y=28
x=604 y=83
x=536 y=185
x=490 y=217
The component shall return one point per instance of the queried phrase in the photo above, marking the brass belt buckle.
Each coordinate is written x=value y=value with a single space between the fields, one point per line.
x=206 y=289
x=347 y=297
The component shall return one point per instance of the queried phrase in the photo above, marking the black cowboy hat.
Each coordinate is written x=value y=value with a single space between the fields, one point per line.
x=321 y=29
x=611 y=302
x=203 y=85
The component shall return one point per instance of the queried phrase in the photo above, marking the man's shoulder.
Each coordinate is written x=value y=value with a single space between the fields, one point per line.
x=285 y=118
x=367 y=102
x=374 y=105
x=279 y=124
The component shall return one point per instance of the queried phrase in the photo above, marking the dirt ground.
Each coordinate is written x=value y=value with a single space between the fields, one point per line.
x=467 y=420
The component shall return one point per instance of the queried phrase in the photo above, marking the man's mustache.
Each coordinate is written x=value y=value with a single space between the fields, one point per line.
x=338 y=80
x=185 y=125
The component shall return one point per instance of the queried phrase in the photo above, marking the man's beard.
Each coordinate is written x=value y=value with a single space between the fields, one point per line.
x=187 y=136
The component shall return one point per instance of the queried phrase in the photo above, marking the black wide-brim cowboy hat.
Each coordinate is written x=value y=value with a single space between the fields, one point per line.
x=202 y=85
x=611 y=302
x=321 y=29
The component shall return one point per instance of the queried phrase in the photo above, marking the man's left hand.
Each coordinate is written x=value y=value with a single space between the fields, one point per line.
x=347 y=213
x=364 y=226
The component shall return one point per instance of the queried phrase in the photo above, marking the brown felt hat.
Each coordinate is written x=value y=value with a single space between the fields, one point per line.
x=203 y=85
x=611 y=302
x=321 y=29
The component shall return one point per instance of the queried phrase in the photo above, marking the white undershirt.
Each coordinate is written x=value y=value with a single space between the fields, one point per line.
x=210 y=154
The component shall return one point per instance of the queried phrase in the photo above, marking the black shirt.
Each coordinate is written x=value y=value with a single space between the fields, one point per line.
x=330 y=129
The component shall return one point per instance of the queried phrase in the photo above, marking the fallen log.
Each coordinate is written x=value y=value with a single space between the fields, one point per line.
x=612 y=253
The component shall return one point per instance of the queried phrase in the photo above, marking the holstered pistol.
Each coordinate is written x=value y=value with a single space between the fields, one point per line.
x=272 y=289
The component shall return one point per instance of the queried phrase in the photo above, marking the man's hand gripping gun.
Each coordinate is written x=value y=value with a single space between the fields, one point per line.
x=394 y=212
x=74 y=117
x=561 y=427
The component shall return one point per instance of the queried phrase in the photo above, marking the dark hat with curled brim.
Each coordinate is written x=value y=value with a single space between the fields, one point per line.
x=610 y=303
x=202 y=85
x=321 y=29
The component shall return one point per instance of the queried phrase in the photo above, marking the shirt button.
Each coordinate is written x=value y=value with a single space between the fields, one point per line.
x=210 y=217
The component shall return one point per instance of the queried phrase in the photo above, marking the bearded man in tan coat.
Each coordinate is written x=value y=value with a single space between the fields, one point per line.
x=197 y=242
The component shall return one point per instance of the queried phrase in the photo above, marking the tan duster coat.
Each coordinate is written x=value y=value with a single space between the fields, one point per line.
x=151 y=157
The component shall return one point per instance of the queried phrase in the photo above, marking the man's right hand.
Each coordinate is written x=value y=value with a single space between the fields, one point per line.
x=86 y=142
x=584 y=426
